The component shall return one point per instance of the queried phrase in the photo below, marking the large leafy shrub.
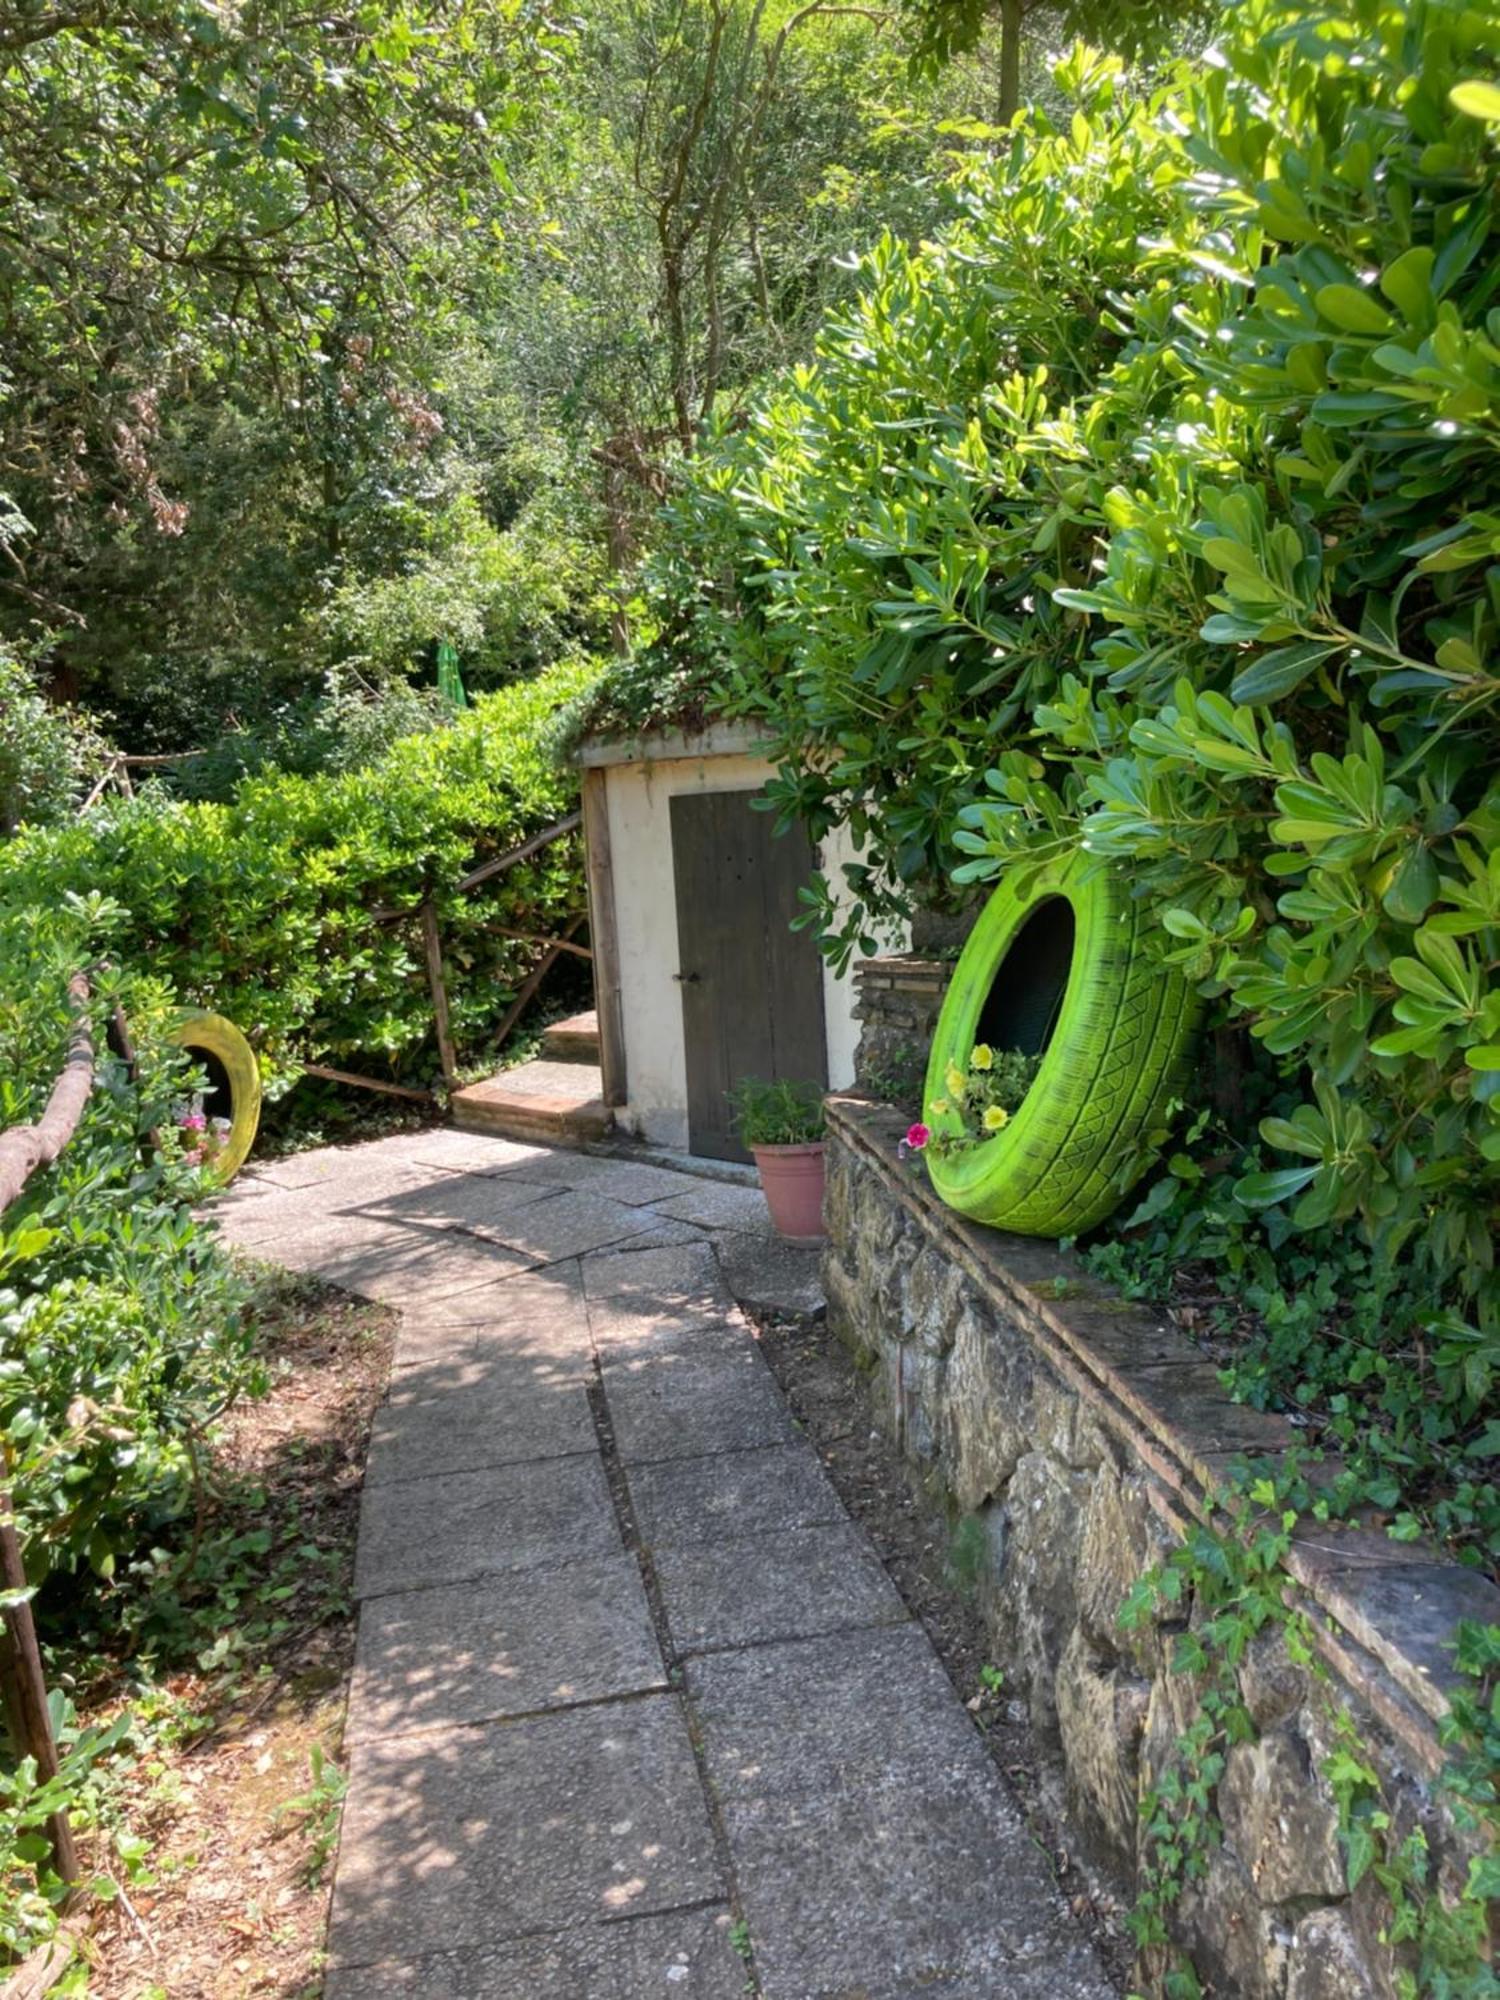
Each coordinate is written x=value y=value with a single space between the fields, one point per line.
x=509 y=599
x=120 y=1326
x=266 y=907
x=48 y=753
x=1156 y=510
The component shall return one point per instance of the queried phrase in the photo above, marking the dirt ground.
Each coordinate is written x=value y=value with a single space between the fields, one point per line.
x=233 y=1900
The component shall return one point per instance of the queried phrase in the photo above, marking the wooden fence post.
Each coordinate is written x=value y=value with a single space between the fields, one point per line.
x=604 y=934
x=533 y=980
x=26 y=1687
x=432 y=945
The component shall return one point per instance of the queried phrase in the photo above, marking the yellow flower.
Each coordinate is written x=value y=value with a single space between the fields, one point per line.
x=983 y=1056
x=954 y=1080
x=938 y=1106
x=996 y=1118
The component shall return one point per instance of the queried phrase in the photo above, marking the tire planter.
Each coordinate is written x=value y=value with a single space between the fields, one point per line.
x=234 y=1081
x=1059 y=969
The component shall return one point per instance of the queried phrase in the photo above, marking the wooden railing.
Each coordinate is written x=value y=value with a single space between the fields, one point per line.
x=425 y=913
x=117 y=774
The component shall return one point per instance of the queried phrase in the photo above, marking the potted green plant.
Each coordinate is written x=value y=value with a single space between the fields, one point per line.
x=782 y=1124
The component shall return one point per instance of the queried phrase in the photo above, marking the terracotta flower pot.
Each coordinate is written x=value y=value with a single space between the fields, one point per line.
x=792 y=1177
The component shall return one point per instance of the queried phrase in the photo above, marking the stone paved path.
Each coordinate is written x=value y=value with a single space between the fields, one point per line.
x=631 y=1686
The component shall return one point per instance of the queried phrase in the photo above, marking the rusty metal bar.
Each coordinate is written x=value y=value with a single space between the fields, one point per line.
x=25 y=1148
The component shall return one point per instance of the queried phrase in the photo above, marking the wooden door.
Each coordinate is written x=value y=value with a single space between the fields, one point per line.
x=752 y=988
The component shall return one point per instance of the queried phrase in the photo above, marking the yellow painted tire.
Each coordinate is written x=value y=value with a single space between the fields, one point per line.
x=211 y=1036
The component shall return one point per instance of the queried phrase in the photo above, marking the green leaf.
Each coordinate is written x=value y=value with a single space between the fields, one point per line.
x=1477 y=98
x=1353 y=310
x=1272 y=674
x=1263 y=1190
x=1408 y=285
x=1414 y=887
x=1362 y=1851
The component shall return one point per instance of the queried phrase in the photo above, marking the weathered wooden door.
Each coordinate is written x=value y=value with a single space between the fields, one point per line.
x=752 y=988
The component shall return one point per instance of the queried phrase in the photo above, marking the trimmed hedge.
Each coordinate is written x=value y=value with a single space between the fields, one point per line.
x=262 y=907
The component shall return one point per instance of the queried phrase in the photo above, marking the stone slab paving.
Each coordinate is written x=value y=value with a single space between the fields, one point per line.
x=686 y=1952
x=552 y=1639
x=544 y=1823
x=477 y=1414
x=758 y=1493
x=457 y=1527
x=633 y=1695
x=791 y=1586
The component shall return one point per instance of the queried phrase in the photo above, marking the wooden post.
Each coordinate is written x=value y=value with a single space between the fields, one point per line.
x=26 y=1687
x=434 y=950
x=368 y=1083
x=605 y=937
x=533 y=979
x=25 y=1148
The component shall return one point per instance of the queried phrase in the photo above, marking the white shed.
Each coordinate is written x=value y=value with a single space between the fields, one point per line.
x=699 y=979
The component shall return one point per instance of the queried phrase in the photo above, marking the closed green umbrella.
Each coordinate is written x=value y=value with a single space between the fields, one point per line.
x=450 y=681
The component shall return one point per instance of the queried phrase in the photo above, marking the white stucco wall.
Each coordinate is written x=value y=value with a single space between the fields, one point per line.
x=640 y=837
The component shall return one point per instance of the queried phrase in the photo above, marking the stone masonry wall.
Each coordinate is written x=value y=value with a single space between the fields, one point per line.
x=900 y=999
x=1079 y=1436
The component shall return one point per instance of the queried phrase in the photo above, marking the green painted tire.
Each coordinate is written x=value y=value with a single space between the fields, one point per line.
x=1061 y=967
x=234 y=1069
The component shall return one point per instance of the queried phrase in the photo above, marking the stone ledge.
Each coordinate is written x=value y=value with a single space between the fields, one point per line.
x=904 y=970
x=1382 y=1611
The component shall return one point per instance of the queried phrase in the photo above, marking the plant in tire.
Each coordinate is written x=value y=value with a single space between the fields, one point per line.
x=982 y=1095
x=1055 y=972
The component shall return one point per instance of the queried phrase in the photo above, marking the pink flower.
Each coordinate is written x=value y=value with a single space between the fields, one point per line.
x=193 y=1121
x=917 y=1137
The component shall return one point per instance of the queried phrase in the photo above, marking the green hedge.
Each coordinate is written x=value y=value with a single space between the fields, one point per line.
x=262 y=907
x=1156 y=510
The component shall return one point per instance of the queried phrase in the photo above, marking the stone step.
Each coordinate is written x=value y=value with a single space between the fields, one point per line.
x=552 y=1103
x=575 y=1040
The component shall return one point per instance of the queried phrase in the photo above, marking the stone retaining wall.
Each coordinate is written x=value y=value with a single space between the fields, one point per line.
x=1080 y=1436
x=899 y=1001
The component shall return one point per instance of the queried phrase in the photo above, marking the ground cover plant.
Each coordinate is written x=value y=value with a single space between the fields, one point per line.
x=122 y=1333
x=265 y=907
x=189 y=1552
x=229 y=1643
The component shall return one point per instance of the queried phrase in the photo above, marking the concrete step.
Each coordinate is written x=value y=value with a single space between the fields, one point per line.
x=551 y=1103
x=575 y=1040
